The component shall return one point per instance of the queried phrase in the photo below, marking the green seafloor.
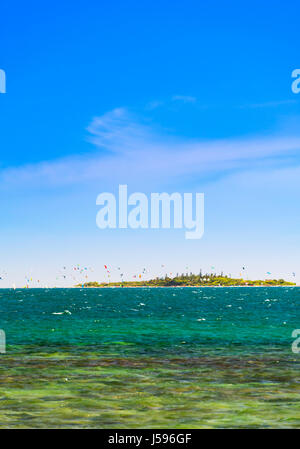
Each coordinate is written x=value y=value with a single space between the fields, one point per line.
x=150 y=358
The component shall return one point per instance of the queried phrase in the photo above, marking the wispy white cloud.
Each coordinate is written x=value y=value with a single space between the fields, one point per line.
x=184 y=98
x=127 y=150
x=154 y=105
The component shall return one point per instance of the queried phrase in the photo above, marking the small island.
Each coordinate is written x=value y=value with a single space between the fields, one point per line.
x=192 y=280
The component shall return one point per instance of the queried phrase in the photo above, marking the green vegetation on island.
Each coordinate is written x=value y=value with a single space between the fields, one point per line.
x=192 y=280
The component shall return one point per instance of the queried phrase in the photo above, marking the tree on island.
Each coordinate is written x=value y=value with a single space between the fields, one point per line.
x=193 y=280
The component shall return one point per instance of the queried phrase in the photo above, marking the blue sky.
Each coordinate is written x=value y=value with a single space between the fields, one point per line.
x=162 y=96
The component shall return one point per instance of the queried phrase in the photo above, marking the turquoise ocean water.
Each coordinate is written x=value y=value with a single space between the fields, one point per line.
x=164 y=358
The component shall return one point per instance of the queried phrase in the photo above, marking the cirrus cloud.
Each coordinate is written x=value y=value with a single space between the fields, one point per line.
x=125 y=147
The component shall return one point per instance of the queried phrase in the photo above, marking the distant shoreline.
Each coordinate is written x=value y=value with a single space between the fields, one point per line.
x=189 y=280
x=151 y=286
x=184 y=280
x=186 y=286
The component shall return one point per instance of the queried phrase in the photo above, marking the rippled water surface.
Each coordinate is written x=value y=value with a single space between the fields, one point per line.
x=150 y=358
